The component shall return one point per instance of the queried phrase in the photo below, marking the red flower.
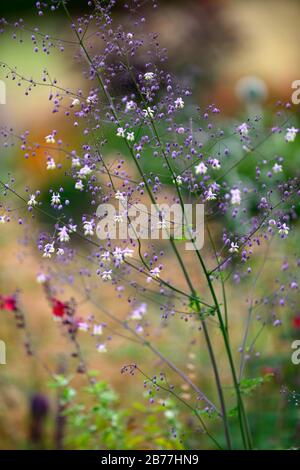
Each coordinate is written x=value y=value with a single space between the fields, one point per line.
x=296 y=322
x=8 y=303
x=267 y=370
x=58 y=308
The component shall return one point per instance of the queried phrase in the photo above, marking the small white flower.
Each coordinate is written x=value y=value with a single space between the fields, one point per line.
x=130 y=105
x=101 y=348
x=291 y=134
x=127 y=252
x=55 y=199
x=51 y=165
x=284 y=230
x=41 y=278
x=129 y=35
x=75 y=162
x=118 y=254
x=155 y=272
x=75 y=102
x=106 y=256
x=32 y=201
x=130 y=136
x=149 y=76
x=120 y=132
x=139 y=312
x=118 y=218
x=277 y=168
x=179 y=103
x=201 y=168
x=215 y=164
x=235 y=196
x=136 y=315
x=247 y=149
x=88 y=228
x=162 y=224
x=48 y=250
x=2 y=219
x=63 y=235
x=178 y=180
x=119 y=196
x=60 y=252
x=210 y=195
x=91 y=99
x=97 y=330
x=234 y=248
x=50 y=139
x=106 y=275
x=243 y=129
x=79 y=185
x=139 y=329
x=83 y=326
x=148 y=112
x=84 y=171
x=72 y=228
x=170 y=414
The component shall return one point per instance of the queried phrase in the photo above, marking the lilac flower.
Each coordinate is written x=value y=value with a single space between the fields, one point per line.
x=48 y=250
x=84 y=171
x=97 y=330
x=235 y=196
x=243 y=129
x=75 y=102
x=120 y=132
x=149 y=76
x=63 y=235
x=130 y=136
x=148 y=112
x=157 y=159
x=201 y=168
x=51 y=165
x=210 y=195
x=106 y=275
x=277 y=168
x=130 y=106
x=234 y=247
x=101 y=348
x=88 y=227
x=50 y=139
x=32 y=201
x=55 y=199
x=75 y=162
x=119 y=196
x=179 y=103
x=83 y=326
x=79 y=185
x=283 y=230
x=291 y=134
x=139 y=312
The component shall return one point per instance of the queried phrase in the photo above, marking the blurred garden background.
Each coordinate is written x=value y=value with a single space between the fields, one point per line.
x=241 y=55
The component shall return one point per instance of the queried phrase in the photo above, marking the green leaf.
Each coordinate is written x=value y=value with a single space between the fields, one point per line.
x=247 y=386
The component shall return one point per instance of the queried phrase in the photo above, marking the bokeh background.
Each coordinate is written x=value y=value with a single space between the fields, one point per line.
x=213 y=45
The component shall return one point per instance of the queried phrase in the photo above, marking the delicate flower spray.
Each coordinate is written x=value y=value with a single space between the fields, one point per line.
x=152 y=120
